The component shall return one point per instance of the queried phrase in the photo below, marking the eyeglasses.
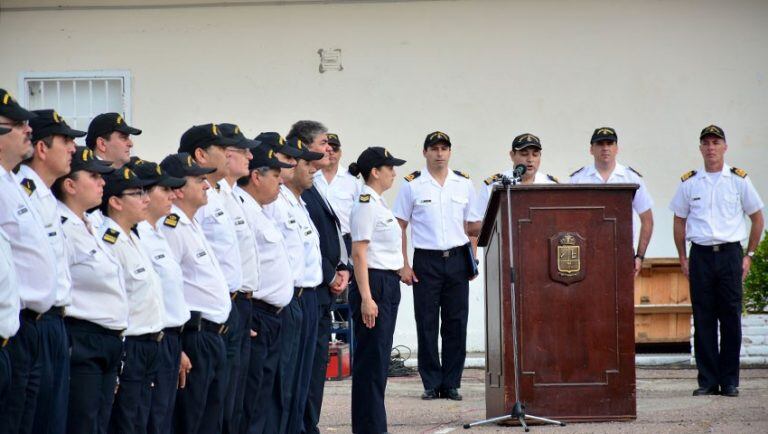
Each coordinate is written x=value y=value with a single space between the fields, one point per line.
x=16 y=124
x=335 y=149
x=140 y=193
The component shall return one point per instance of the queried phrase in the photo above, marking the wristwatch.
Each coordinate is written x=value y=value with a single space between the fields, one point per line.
x=640 y=256
x=751 y=254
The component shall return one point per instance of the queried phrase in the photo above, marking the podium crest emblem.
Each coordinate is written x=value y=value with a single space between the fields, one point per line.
x=566 y=262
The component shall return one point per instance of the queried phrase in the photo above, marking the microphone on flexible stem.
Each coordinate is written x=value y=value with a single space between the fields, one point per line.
x=517 y=176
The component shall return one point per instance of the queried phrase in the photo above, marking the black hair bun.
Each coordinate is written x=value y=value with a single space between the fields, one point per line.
x=354 y=169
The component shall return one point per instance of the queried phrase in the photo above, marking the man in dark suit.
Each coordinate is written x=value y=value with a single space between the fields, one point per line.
x=335 y=266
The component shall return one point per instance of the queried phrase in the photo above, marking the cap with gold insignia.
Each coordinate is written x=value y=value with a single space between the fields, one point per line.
x=306 y=154
x=526 y=140
x=48 y=123
x=712 y=130
x=604 y=134
x=333 y=140
x=376 y=156
x=151 y=171
x=106 y=123
x=232 y=131
x=122 y=179
x=277 y=143
x=435 y=138
x=11 y=109
x=83 y=159
x=203 y=136
x=264 y=156
x=182 y=164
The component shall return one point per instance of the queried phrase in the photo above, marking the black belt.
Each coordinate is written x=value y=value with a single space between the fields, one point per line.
x=266 y=306
x=59 y=311
x=241 y=294
x=174 y=330
x=92 y=327
x=198 y=323
x=443 y=253
x=300 y=290
x=717 y=247
x=31 y=315
x=152 y=337
x=347 y=237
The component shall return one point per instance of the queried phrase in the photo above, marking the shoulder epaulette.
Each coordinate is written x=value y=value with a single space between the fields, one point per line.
x=63 y=219
x=553 y=179
x=636 y=172
x=172 y=220
x=491 y=179
x=28 y=185
x=365 y=198
x=739 y=172
x=577 y=171
x=110 y=236
x=462 y=174
x=413 y=176
x=687 y=175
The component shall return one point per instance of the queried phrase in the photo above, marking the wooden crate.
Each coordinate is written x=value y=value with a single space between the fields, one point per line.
x=662 y=303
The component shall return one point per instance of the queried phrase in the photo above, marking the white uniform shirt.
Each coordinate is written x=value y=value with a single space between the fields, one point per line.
x=98 y=288
x=219 y=230
x=142 y=284
x=9 y=295
x=47 y=205
x=276 y=286
x=436 y=213
x=642 y=201
x=341 y=194
x=248 y=254
x=372 y=221
x=714 y=212
x=484 y=194
x=278 y=212
x=168 y=269
x=33 y=257
x=205 y=288
x=313 y=262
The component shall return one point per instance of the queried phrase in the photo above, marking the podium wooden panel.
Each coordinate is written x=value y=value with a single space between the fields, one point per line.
x=573 y=264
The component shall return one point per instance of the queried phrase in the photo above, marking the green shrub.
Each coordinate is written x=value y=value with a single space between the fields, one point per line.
x=756 y=283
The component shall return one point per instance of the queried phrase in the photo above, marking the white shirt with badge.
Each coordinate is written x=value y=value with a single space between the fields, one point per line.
x=715 y=206
x=276 y=286
x=168 y=270
x=219 y=230
x=313 y=260
x=484 y=194
x=642 y=201
x=436 y=213
x=9 y=293
x=98 y=285
x=341 y=193
x=373 y=221
x=46 y=204
x=278 y=212
x=205 y=287
x=248 y=254
x=142 y=284
x=32 y=252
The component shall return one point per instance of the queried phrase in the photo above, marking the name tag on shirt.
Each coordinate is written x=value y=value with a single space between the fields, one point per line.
x=22 y=210
x=218 y=213
x=140 y=270
x=424 y=201
x=158 y=257
x=239 y=221
x=201 y=253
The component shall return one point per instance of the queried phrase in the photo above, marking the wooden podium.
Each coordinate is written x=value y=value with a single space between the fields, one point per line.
x=572 y=264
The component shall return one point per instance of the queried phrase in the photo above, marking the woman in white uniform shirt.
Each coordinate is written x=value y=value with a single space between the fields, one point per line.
x=98 y=314
x=375 y=295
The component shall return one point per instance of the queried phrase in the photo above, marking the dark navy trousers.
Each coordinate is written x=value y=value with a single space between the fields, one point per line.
x=94 y=364
x=130 y=412
x=260 y=412
x=320 y=364
x=716 y=296
x=372 y=352
x=306 y=361
x=5 y=374
x=23 y=350
x=200 y=405
x=54 y=376
x=441 y=303
x=239 y=348
x=165 y=383
x=291 y=320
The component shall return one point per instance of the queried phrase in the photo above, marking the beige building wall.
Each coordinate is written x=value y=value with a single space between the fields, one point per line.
x=482 y=71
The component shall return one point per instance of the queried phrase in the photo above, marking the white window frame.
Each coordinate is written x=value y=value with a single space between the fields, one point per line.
x=102 y=74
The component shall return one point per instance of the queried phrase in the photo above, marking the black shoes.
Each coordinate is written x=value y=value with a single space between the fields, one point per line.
x=706 y=391
x=731 y=391
x=429 y=395
x=452 y=394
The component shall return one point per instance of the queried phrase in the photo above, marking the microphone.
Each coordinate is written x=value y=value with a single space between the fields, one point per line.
x=519 y=171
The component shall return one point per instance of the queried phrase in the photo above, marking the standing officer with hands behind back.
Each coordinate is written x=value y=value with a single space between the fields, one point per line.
x=709 y=208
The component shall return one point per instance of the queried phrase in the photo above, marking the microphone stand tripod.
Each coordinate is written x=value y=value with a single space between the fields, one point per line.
x=518 y=409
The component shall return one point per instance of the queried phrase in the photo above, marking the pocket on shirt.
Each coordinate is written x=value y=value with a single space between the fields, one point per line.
x=272 y=236
x=730 y=204
x=139 y=273
x=459 y=205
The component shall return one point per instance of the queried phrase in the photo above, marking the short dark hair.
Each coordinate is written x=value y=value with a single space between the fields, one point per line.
x=57 y=189
x=92 y=144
